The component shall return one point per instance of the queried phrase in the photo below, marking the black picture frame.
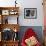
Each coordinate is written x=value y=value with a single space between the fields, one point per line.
x=30 y=13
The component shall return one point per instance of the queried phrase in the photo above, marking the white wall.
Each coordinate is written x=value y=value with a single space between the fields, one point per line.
x=27 y=4
x=31 y=4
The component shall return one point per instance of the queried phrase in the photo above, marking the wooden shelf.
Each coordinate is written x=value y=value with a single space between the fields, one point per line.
x=11 y=26
x=9 y=8
x=9 y=43
x=4 y=13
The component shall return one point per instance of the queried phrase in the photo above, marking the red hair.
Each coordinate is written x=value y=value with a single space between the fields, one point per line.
x=29 y=33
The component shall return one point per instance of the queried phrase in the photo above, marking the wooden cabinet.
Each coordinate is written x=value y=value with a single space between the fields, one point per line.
x=7 y=13
x=44 y=8
x=44 y=35
x=9 y=23
x=10 y=43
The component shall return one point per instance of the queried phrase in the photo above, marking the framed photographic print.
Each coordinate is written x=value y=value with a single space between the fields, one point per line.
x=5 y=12
x=30 y=13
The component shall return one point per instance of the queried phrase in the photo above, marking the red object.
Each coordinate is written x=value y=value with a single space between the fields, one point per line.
x=29 y=33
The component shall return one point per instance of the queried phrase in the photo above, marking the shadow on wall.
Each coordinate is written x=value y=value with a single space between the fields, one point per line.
x=37 y=29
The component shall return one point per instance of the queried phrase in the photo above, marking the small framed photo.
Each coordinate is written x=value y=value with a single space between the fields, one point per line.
x=30 y=13
x=5 y=12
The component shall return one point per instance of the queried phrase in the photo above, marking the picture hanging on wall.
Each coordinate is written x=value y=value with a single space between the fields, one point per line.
x=30 y=13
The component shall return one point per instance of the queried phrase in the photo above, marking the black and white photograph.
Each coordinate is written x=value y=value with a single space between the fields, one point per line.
x=30 y=13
